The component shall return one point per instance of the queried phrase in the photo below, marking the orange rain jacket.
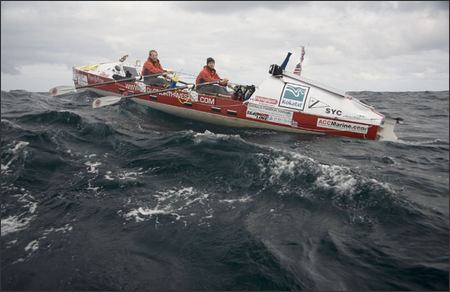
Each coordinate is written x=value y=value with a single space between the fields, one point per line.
x=207 y=75
x=151 y=67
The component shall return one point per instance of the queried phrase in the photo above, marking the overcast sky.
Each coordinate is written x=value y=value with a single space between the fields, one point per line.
x=378 y=46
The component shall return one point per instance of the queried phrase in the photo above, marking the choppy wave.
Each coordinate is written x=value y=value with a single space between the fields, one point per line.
x=125 y=197
x=25 y=208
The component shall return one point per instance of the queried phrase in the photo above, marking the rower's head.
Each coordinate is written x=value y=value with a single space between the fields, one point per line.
x=210 y=63
x=153 y=55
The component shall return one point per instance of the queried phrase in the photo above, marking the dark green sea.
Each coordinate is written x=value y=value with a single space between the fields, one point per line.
x=128 y=198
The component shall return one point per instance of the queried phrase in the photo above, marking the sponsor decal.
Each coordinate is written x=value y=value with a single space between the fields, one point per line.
x=267 y=100
x=342 y=126
x=258 y=115
x=269 y=114
x=177 y=94
x=207 y=100
x=315 y=103
x=133 y=86
x=82 y=79
x=333 y=111
x=293 y=96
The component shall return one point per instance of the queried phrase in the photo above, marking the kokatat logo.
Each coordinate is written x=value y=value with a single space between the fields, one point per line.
x=294 y=92
x=293 y=96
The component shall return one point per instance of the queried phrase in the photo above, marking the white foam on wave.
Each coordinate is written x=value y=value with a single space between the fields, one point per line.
x=343 y=182
x=92 y=166
x=32 y=246
x=350 y=191
x=282 y=166
x=287 y=164
x=35 y=244
x=420 y=143
x=15 y=223
x=245 y=199
x=66 y=228
x=284 y=170
x=124 y=175
x=108 y=177
x=140 y=213
x=19 y=145
x=11 y=243
x=14 y=153
x=91 y=188
x=130 y=175
x=207 y=135
x=180 y=203
x=28 y=200
x=337 y=178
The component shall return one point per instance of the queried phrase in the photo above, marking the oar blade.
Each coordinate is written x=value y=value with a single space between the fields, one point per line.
x=60 y=90
x=105 y=101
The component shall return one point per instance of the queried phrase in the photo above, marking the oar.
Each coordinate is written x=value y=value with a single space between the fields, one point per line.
x=59 y=90
x=207 y=83
x=201 y=84
x=185 y=83
x=109 y=100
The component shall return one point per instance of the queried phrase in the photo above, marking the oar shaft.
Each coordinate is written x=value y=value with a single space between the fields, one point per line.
x=154 y=92
x=185 y=83
x=208 y=83
x=109 y=100
x=117 y=81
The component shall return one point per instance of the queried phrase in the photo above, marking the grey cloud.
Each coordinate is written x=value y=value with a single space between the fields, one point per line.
x=244 y=37
x=54 y=35
x=389 y=6
x=421 y=5
x=225 y=7
x=245 y=7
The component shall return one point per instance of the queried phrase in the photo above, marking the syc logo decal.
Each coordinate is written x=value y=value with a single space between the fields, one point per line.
x=333 y=111
x=294 y=96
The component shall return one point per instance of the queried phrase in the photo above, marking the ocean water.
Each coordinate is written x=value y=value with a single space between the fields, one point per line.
x=128 y=198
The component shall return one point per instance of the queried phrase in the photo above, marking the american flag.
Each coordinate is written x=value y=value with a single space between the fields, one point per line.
x=298 y=68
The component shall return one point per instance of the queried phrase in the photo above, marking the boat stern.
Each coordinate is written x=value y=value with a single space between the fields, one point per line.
x=386 y=131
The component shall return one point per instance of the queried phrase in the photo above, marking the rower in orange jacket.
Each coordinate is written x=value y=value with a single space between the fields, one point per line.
x=209 y=74
x=153 y=66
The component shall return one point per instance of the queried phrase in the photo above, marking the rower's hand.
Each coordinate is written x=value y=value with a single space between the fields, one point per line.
x=223 y=82
x=231 y=85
